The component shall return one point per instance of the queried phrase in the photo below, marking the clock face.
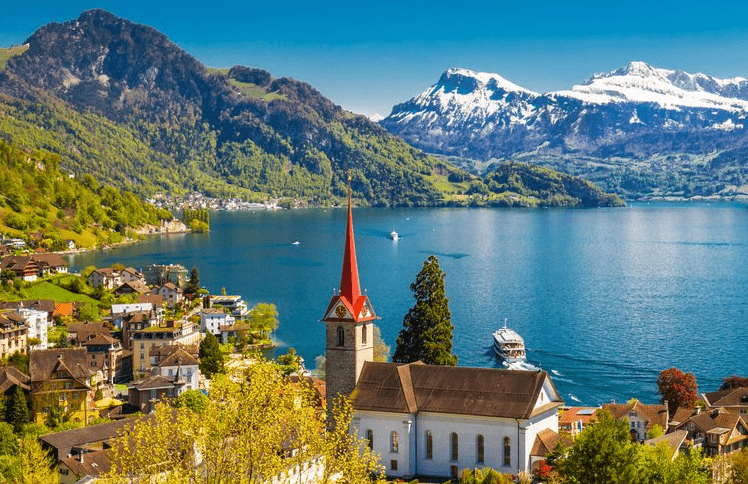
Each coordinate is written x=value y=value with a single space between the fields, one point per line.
x=364 y=311
x=340 y=311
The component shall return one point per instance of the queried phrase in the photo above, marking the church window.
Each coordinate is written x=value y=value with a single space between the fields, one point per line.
x=363 y=334
x=454 y=446
x=507 y=451
x=429 y=445
x=341 y=337
x=393 y=465
x=479 y=449
x=370 y=438
x=394 y=441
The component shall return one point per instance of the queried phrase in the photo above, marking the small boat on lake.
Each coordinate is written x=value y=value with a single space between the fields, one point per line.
x=508 y=345
x=394 y=236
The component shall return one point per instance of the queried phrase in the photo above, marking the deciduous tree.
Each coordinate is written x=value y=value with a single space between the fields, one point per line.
x=734 y=381
x=678 y=388
x=427 y=327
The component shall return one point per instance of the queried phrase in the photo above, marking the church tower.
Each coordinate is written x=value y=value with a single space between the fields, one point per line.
x=349 y=322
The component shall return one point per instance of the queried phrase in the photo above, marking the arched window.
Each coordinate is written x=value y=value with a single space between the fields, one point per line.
x=370 y=438
x=479 y=449
x=394 y=441
x=507 y=451
x=363 y=334
x=455 y=450
x=341 y=336
x=429 y=445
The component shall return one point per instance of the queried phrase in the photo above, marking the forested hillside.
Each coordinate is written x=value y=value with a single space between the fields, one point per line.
x=45 y=206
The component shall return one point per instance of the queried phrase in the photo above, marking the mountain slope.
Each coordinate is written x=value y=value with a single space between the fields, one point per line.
x=86 y=86
x=635 y=111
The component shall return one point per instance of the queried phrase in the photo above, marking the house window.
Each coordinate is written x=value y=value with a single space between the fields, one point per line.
x=393 y=465
x=507 y=451
x=453 y=471
x=363 y=334
x=479 y=449
x=68 y=384
x=63 y=471
x=454 y=447
x=62 y=374
x=370 y=438
x=429 y=445
x=142 y=356
x=154 y=394
x=394 y=441
x=341 y=337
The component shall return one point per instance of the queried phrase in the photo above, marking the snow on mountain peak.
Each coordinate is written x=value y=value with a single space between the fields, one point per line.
x=483 y=80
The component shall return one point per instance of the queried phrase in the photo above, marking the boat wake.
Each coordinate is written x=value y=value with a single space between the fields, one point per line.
x=572 y=397
x=557 y=373
x=520 y=365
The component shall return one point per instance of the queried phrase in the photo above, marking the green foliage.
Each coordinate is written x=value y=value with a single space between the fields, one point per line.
x=739 y=467
x=20 y=361
x=197 y=219
x=211 y=358
x=484 y=476
x=39 y=197
x=427 y=327
x=655 y=431
x=195 y=400
x=18 y=412
x=193 y=285
x=290 y=362
x=7 y=54
x=381 y=349
x=678 y=388
x=603 y=454
x=8 y=440
x=89 y=312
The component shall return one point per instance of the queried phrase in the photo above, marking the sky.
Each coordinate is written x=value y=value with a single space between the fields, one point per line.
x=369 y=56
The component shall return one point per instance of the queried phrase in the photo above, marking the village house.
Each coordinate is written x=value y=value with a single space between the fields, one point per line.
x=49 y=264
x=62 y=381
x=430 y=419
x=211 y=320
x=121 y=311
x=136 y=321
x=23 y=266
x=172 y=294
x=91 y=464
x=106 y=353
x=185 y=334
x=10 y=378
x=160 y=274
x=717 y=431
x=572 y=420
x=235 y=331
x=171 y=376
x=37 y=323
x=733 y=400
x=106 y=276
x=132 y=287
x=235 y=304
x=79 y=333
x=641 y=417
x=13 y=333
x=131 y=275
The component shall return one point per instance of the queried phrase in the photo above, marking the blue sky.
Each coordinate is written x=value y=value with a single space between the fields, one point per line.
x=369 y=56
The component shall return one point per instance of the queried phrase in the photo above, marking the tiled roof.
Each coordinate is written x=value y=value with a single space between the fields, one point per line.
x=654 y=414
x=64 y=309
x=17 y=262
x=673 y=439
x=682 y=415
x=389 y=387
x=49 y=260
x=11 y=376
x=154 y=382
x=43 y=362
x=546 y=442
x=574 y=414
x=84 y=331
x=179 y=358
x=156 y=299
x=728 y=398
x=101 y=339
x=63 y=442
x=136 y=286
x=93 y=463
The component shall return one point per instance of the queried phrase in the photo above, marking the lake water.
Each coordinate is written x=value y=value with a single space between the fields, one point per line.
x=605 y=298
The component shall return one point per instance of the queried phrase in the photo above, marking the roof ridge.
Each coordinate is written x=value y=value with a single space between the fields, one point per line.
x=403 y=373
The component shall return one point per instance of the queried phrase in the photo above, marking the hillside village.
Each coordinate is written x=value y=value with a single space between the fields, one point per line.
x=86 y=375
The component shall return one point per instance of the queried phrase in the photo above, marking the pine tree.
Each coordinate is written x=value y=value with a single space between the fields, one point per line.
x=427 y=327
x=18 y=411
x=211 y=358
x=193 y=285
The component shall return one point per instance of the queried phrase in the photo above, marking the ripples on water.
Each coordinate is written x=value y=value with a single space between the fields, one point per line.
x=605 y=298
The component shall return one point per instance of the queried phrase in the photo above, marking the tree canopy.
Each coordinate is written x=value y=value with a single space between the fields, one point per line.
x=427 y=327
x=678 y=388
x=211 y=358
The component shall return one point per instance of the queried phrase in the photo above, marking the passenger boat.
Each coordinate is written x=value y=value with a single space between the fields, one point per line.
x=394 y=235
x=508 y=345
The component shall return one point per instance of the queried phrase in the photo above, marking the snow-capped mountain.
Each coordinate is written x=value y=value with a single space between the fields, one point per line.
x=635 y=111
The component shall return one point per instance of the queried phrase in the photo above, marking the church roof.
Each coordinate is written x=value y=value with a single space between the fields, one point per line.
x=415 y=387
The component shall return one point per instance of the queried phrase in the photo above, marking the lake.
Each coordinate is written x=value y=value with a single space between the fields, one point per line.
x=604 y=298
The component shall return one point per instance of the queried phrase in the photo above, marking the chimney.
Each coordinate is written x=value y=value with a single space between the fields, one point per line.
x=667 y=408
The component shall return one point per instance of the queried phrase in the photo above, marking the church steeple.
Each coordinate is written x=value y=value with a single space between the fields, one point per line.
x=349 y=322
x=349 y=284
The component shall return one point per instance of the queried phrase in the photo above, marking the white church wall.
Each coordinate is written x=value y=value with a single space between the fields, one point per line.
x=382 y=424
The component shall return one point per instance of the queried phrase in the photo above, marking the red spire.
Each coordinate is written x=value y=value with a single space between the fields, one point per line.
x=349 y=285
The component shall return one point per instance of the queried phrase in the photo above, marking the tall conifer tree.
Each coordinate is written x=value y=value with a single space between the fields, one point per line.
x=427 y=327
x=18 y=411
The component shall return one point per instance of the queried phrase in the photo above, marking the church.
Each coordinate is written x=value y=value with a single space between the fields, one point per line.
x=432 y=420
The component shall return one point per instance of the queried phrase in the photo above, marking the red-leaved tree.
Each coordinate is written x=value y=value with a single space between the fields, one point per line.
x=734 y=381
x=678 y=388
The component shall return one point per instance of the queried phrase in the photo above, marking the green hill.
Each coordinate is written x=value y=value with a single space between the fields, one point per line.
x=45 y=206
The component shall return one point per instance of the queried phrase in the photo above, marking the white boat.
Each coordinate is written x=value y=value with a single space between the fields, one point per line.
x=394 y=235
x=508 y=345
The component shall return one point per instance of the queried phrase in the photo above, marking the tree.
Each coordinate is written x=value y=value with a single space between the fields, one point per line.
x=87 y=271
x=427 y=327
x=195 y=400
x=678 y=388
x=193 y=285
x=36 y=464
x=734 y=381
x=603 y=454
x=89 y=312
x=8 y=440
x=211 y=358
x=381 y=349
x=18 y=411
x=251 y=422
x=290 y=362
x=739 y=467
x=655 y=431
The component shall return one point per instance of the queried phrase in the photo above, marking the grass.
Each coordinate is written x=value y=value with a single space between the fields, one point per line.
x=47 y=290
x=253 y=90
x=6 y=54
